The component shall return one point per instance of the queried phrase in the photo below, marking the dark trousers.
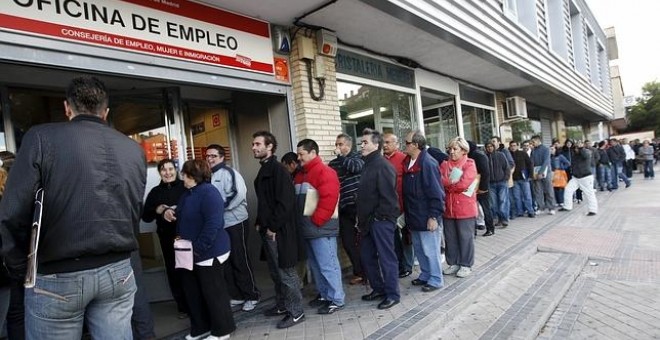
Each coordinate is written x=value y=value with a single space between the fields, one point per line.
x=238 y=271
x=287 y=283
x=208 y=301
x=349 y=240
x=379 y=260
x=403 y=248
x=16 y=312
x=142 y=320
x=166 y=238
x=459 y=240
x=484 y=200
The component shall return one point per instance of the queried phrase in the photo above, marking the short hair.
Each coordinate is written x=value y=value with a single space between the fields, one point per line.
x=461 y=143
x=7 y=159
x=289 y=157
x=308 y=145
x=87 y=95
x=536 y=137
x=219 y=148
x=162 y=163
x=198 y=170
x=513 y=141
x=386 y=134
x=419 y=139
x=376 y=137
x=348 y=139
x=269 y=138
x=601 y=143
x=489 y=143
x=497 y=138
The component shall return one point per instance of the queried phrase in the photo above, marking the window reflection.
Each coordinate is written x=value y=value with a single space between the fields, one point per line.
x=478 y=124
x=364 y=106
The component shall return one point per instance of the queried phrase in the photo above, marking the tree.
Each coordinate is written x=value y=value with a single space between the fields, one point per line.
x=645 y=115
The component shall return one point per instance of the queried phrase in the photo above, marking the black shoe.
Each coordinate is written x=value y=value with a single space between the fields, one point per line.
x=563 y=209
x=318 y=302
x=373 y=296
x=489 y=233
x=387 y=303
x=481 y=227
x=531 y=216
x=289 y=320
x=418 y=282
x=591 y=213
x=404 y=273
x=274 y=311
x=505 y=224
x=628 y=185
x=429 y=288
x=330 y=308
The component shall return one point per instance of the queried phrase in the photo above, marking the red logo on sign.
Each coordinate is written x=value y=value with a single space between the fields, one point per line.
x=216 y=120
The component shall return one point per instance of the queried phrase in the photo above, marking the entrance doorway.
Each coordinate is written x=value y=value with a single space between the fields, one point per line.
x=169 y=120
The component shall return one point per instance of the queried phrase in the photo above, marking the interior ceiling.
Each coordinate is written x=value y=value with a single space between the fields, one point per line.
x=355 y=21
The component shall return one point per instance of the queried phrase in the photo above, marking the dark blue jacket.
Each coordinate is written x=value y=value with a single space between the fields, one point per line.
x=423 y=195
x=200 y=219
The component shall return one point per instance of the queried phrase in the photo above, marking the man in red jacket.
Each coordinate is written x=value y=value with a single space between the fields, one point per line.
x=320 y=226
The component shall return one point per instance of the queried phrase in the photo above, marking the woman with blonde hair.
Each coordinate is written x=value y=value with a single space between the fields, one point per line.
x=459 y=178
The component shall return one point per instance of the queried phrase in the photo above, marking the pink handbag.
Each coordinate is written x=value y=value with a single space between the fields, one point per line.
x=183 y=254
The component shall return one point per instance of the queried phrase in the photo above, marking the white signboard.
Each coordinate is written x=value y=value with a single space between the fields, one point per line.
x=178 y=29
x=628 y=101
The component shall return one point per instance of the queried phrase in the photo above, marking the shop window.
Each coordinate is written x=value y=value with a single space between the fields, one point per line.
x=524 y=130
x=577 y=32
x=523 y=12
x=439 y=112
x=478 y=124
x=364 y=106
x=574 y=132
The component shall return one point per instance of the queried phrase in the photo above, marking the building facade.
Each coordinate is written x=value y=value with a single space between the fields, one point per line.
x=184 y=74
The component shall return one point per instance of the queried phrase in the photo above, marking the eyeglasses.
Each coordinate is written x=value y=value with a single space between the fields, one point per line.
x=212 y=156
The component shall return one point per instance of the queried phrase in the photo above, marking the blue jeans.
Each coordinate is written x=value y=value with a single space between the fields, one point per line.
x=617 y=172
x=427 y=249
x=648 y=169
x=324 y=264
x=604 y=176
x=522 y=197
x=499 y=200
x=101 y=297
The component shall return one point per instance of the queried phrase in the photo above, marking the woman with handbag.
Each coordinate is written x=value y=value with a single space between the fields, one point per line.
x=201 y=223
x=560 y=166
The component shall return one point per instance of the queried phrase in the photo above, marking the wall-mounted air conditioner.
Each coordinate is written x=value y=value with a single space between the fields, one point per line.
x=516 y=108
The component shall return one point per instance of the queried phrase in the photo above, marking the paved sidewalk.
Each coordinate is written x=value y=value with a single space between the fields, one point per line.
x=616 y=295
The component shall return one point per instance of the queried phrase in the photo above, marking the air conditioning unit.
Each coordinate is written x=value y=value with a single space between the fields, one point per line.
x=516 y=108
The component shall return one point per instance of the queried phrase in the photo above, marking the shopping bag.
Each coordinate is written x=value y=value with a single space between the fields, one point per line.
x=559 y=179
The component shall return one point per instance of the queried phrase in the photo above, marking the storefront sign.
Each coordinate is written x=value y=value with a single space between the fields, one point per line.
x=282 y=69
x=178 y=29
x=365 y=67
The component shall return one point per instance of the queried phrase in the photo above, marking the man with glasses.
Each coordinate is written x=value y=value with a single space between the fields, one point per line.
x=239 y=274
x=376 y=214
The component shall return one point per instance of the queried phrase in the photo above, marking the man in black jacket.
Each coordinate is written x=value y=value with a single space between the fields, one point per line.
x=93 y=179
x=617 y=157
x=483 y=196
x=276 y=223
x=522 y=191
x=377 y=210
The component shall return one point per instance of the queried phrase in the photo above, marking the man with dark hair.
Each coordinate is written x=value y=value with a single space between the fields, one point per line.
x=617 y=156
x=522 y=192
x=483 y=195
x=542 y=176
x=499 y=192
x=89 y=224
x=348 y=166
x=290 y=161
x=239 y=274
x=376 y=214
x=276 y=223
x=320 y=228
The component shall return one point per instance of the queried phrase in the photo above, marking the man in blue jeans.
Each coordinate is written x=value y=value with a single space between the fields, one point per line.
x=617 y=157
x=499 y=189
x=93 y=179
x=320 y=227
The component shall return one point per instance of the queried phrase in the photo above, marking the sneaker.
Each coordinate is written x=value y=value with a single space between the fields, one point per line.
x=464 y=272
x=250 y=305
x=591 y=213
x=330 y=308
x=453 y=269
x=289 y=320
x=628 y=185
x=235 y=303
x=274 y=311
x=318 y=302
x=563 y=209
x=198 y=337
x=551 y=212
x=213 y=337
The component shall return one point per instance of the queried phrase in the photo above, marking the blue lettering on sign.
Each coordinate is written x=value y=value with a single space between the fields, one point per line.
x=362 y=66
